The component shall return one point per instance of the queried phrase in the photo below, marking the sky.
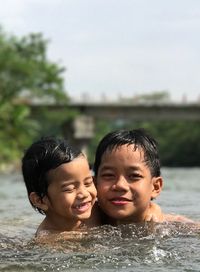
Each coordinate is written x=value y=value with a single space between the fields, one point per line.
x=113 y=48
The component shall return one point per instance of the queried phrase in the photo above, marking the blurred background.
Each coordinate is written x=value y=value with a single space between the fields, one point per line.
x=78 y=69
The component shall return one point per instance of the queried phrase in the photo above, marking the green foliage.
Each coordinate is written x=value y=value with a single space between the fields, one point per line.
x=24 y=68
x=155 y=97
x=54 y=122
x=178 y=141
x=101 y=128
x=16 y=131
x=26 y=76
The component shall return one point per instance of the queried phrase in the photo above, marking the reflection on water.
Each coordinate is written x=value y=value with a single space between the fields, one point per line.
x=149 y=247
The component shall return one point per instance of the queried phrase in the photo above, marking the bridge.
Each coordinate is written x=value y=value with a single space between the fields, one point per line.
x=82 y=129
x=139 y=112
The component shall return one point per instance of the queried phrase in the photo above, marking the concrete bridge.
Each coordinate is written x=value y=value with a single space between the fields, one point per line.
x=82 y=129
x=137 y=112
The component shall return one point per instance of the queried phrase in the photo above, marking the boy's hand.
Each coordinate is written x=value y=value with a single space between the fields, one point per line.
x=154 y=214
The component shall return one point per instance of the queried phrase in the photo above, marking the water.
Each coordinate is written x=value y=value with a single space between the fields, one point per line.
x=157 y=247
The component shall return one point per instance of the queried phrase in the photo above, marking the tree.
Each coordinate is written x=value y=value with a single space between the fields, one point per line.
x=26 y=76
x=159 y=97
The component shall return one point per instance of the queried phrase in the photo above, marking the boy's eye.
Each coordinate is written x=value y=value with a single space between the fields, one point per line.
x=69 y=188
x=88 y=183
x=107 y=176
x=134 y=176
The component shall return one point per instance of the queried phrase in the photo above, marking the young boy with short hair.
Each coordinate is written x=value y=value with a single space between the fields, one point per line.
x=59 y=185
x=128 y=178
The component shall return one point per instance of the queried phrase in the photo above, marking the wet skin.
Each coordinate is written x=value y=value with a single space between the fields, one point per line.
x=125 y=186
x=71 y=196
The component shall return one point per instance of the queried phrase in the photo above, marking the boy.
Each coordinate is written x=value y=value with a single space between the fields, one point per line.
x=128 y=178
x=59 y=185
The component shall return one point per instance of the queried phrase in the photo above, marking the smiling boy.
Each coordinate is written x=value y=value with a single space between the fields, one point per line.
x=59 y=185
x=128 y=178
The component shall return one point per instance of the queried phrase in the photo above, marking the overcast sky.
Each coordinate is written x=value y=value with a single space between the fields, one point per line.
x=126 y=47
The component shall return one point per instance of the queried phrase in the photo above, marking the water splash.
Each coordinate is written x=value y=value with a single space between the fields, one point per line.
x=106 y=248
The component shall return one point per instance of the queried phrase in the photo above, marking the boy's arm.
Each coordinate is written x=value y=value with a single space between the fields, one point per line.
x=154 y=213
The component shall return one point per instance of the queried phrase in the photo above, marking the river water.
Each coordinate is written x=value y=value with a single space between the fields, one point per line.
x=158 y=247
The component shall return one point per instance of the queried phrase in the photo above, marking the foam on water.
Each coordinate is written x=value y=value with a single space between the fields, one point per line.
x=121 y=248
x=127 y=248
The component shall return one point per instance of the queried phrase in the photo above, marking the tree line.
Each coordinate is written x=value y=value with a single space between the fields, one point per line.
x=178 y=141
x=27 y=76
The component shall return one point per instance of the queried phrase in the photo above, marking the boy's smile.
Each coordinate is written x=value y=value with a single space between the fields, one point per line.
x=82 y=207
x=71 y=193
x=124 y=183
x=120 y=201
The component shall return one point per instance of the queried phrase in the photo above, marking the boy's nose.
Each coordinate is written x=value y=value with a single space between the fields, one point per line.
x=82 y=193
x=121 y=184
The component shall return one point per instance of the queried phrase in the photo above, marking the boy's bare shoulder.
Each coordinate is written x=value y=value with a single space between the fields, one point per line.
x=154 y=213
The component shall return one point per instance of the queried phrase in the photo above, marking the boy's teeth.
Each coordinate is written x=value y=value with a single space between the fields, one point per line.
x=80 y=205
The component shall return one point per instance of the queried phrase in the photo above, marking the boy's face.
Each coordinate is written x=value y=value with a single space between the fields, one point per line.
x=71 y=193
x=125 y=185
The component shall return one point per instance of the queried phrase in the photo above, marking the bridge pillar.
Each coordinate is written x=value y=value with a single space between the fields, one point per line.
x=83 y=131
x=80 y=132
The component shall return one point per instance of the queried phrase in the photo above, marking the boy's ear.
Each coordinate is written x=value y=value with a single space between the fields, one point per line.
x=37 y=201
x=157 y=183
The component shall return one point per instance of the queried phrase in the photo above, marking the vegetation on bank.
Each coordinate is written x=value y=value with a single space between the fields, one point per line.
x=27 y=76
x=178 y=141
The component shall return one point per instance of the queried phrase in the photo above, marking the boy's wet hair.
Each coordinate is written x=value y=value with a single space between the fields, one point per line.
x=43 y=155
x=137 y=137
